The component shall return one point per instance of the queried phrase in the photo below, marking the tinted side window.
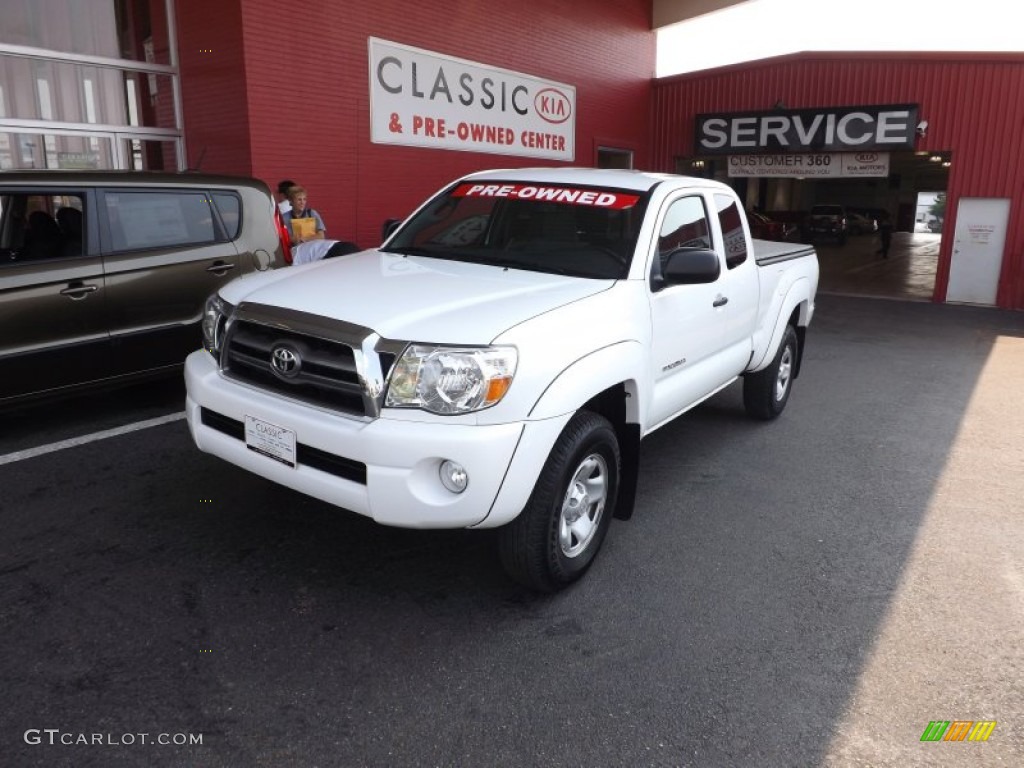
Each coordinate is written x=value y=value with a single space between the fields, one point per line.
x=140 y=220
x=230 y=209
x=731 y=220
x=37 y=226
x=685 y=226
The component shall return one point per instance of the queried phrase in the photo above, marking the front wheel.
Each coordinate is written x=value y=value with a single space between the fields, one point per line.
x=765 y=392
x=555 y=538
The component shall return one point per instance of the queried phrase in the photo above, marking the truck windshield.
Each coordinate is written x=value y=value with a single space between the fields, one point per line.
x=563 y=229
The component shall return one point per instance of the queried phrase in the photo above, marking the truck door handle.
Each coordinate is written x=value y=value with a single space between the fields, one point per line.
x=720 y=301
x=220 y=267
x=78 y=291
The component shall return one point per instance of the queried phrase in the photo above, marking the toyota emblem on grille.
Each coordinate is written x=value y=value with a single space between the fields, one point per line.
x=285 y=361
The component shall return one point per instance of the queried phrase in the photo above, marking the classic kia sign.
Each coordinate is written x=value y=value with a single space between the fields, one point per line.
x=838 y=129
x=423 y=99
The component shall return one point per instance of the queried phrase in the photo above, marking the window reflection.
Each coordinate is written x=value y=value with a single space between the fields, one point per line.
x=78 y=93
x=111 y=28
x=81 y=115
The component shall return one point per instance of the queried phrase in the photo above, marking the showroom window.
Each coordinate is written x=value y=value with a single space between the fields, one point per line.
x=89 y=84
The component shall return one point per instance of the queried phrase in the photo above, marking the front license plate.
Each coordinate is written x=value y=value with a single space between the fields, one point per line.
x=275 y=442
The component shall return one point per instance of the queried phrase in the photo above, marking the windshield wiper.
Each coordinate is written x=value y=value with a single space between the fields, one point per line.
x=412 y=250
x=528 y=266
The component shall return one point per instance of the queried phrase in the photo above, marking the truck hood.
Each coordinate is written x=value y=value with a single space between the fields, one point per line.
x=416 y=298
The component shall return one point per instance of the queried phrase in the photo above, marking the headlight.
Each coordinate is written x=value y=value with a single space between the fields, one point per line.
x=450 y=380
x=215 y=318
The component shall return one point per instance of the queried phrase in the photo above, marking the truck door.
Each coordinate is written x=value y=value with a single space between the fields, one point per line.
x=739 y=283
x=687 y=320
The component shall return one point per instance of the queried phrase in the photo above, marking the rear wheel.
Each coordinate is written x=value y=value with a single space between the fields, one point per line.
x=558 y=533
x=765 y=392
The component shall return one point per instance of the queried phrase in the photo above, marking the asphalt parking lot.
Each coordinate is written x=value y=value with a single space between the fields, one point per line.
x=809 y=592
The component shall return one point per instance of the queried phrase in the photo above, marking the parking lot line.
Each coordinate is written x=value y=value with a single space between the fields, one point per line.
x=41 y=450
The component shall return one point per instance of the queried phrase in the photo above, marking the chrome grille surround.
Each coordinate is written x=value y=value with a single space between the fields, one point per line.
x=343 y=367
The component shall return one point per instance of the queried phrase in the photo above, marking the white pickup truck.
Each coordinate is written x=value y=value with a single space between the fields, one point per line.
x=497 y=361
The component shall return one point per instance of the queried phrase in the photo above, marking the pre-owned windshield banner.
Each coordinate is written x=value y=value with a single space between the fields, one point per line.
x=423 y=99
x=598 y=198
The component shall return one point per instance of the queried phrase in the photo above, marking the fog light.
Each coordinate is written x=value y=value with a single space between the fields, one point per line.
x=453 y=476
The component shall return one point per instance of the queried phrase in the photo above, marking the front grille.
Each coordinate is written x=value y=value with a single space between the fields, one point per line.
x=328 y=374
x=323 y=361
x=349 y=469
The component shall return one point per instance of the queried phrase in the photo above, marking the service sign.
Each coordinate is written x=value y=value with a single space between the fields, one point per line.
x=833 y=165
x=839 y=129
x=423 y=99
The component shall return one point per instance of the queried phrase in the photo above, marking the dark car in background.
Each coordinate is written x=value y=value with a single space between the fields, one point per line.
x=860 y=223
x=763 y=227
x=104 y=275
x=828 y=221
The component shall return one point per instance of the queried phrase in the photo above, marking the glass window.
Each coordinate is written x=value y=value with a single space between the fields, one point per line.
x=230 y=209
x=150 y=154
x=140 y=220
x=79 y=93
x=562 y=229
x=41 y=226
x=685 y=226
x=112 y=28
x=55 y=151
x=731 y=221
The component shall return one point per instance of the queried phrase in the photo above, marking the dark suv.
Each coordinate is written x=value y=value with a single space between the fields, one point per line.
x=104 y=275
x=826 y=221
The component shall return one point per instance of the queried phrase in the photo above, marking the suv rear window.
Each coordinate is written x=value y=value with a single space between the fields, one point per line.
x=141 y=220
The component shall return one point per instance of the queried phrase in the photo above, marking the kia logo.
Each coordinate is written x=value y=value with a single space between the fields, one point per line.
x=552 y=105
x=285 y=361
x=867 y=157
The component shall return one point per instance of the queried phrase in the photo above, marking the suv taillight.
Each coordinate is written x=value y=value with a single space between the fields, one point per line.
x=282 y=235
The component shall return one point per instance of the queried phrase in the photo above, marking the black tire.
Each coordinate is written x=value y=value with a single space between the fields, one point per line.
x=766 y=392
x=543 y=548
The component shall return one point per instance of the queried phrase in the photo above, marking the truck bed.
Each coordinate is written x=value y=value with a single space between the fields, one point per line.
x=768 y=252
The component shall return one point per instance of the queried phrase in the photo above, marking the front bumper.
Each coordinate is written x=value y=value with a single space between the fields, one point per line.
x=385 y=469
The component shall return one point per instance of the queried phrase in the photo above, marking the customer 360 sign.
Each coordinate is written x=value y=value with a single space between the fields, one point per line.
x=424 y=99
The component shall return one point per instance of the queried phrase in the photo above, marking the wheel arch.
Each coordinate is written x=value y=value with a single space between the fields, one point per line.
x=603 y=382
x=794 y=309
x=615 y=394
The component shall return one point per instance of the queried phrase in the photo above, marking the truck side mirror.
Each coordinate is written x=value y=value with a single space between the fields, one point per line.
x=690 y=266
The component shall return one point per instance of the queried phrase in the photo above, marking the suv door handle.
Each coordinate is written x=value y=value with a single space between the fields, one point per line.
x=220 y=267
x=79 y=291
x=720 y=301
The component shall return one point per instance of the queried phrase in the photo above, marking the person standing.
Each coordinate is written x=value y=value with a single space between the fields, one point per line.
x=282 y=195
x=301 y=212
x=884 y=234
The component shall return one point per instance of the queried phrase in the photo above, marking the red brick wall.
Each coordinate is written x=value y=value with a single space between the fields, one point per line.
x=214 y=94
x=286 y=93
